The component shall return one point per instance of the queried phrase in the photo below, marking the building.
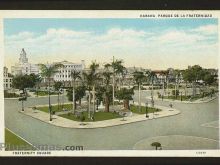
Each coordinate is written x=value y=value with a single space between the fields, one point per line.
x=7 y=79
x=64 y=73
x=23 y=66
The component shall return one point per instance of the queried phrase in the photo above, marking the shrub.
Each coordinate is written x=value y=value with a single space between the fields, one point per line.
x=82 y=118
x=10 y=95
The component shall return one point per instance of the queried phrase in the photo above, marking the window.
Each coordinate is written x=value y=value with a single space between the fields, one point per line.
x=6 y=80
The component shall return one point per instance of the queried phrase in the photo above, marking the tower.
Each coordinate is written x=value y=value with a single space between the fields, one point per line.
x=23 y=59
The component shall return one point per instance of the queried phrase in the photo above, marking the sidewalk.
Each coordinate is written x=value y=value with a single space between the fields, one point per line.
x=202 y=100
x=63 y=122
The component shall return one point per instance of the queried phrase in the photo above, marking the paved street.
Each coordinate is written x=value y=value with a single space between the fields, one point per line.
x=188 y=123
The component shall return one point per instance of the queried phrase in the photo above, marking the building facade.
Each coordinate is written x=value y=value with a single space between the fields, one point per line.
x=64 y=73
x=7 y=79
x=23 y=66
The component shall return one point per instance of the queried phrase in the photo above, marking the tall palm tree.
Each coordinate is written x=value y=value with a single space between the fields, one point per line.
x=164 y=73
x=177 y=77
x=38 y=81
x=74 y=75
x=57 y=87
x=167 y=81
x=48 y=72
x=139 y=77
x=118 y=69
x=151 y=76
x=90 y=79
x=107 y=77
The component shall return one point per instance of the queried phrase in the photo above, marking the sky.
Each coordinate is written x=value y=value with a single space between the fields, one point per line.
x=148 y=43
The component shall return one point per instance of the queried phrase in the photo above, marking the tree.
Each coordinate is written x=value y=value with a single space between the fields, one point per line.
x=125 y=95
x=80 y=92
x=208 y=78
x=90 y=77
x=47 y=72
x=38 y=81
x=139 y=78
x=167 y=81
x=192 y=75
x=164 y=74
x=75 y=75
x=156 y=145
x=107 y=92
x=57 y=86
x=22 y=82
x=151 y=76
x=118 y=69
x=177 y=74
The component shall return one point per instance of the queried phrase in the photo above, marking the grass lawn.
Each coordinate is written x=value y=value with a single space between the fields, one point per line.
x=13 y=142
x=44 y=93
x=55 y=108
x=184 y=98
x=99 y=116
x=134 y=109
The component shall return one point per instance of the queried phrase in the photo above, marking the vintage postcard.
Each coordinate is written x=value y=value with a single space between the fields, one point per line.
x=109 y=83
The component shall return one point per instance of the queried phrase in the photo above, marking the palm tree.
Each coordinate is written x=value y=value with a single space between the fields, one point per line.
x=167 y=80
x=57 y=87
x=139 y=77
x=118 y=69
x=38 y=81
x=106 y=80
x=48 y=72
x=177 y=77
x=164 y=73
x=90 y=79
x=151 y=76
x=74 y=75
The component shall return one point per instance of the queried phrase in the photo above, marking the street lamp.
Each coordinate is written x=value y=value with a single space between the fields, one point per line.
x=97 y=104
x=146 y=111
x=181 y=96
x=22 y=99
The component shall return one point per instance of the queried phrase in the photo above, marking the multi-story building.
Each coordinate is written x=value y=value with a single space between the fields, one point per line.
x=64 y=73
x=23 y=66
x=7 y=79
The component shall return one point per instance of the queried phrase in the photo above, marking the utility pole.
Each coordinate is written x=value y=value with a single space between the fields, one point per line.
x=113 y=84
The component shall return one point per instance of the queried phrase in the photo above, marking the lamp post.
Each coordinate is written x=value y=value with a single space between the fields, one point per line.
x=181 y=96
x=22 y=99
x=146 y=109
x=97 y=104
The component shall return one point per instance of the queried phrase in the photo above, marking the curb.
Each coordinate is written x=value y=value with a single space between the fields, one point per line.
x=101 y=126
x=185 y=102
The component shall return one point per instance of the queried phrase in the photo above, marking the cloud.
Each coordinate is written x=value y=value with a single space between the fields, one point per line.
x=206 y=30
x=177 y=37
x=20 y=36
x=137 y=47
